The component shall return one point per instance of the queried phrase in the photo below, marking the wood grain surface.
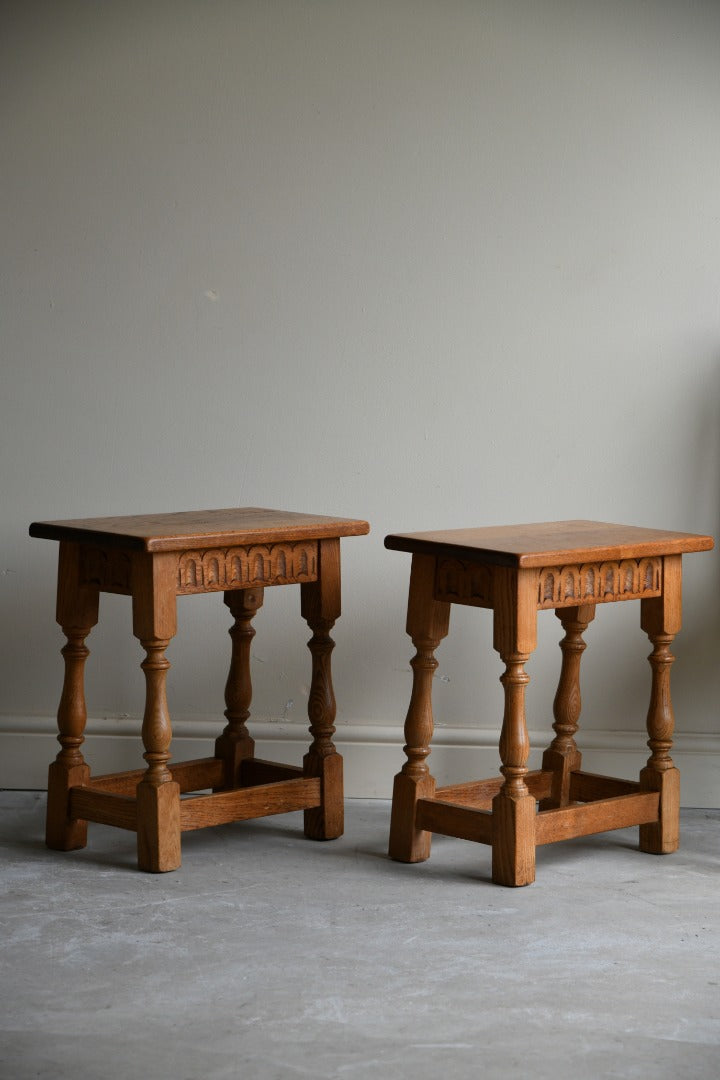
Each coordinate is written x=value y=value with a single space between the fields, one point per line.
x=194 y=528
x=550 y=543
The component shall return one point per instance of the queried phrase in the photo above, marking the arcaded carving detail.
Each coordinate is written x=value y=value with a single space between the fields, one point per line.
x=459 y=582
x=107 y=568
x=598 y=583
x=243 y=567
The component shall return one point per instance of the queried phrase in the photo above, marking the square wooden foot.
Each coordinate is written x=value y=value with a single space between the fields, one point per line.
x=327 y=821
x=513 y=846
x=62 y=833
x=662 y=836
x=158 y=827
x=407 y=843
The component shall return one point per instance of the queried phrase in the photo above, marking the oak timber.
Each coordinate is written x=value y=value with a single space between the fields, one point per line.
x=194 y=528
x=516 y=571
x=566 y=822
x=549 y=543
x=280 y=797
x=154 y=559
x=454 y=819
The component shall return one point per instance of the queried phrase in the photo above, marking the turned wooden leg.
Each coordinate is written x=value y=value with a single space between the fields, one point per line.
x=158 y=795
x=562 y=757
x=513 y=808
x=320 y=606
x=235 y=743
x=661 y=620
x=427 y=624
x=77 y=613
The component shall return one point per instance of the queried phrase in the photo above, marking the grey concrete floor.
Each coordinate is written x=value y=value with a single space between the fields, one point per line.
x=270 y=956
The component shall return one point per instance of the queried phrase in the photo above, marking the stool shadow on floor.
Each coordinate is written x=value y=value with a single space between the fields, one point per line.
x=451 y=860
x=268 y=839
x=23 y=832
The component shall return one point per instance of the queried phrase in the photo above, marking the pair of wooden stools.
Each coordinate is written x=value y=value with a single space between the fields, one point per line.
x=514 y=571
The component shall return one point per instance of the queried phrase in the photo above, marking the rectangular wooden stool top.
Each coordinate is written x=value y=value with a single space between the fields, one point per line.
x=550 y=543
x=199 y=528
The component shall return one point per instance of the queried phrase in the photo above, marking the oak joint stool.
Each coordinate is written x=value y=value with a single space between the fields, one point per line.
x=155 y=559
x=516 y=571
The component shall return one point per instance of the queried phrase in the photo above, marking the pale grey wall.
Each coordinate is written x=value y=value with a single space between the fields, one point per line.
x=432 y=263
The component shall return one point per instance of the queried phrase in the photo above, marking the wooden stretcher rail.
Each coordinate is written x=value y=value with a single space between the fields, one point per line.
x=259 y=771
x=582 y=819
x=470 y=822
x=103 y=807
x=453 y=819
x=243 y=804
x=482 y=792
x=192 y=775
x=585 y=787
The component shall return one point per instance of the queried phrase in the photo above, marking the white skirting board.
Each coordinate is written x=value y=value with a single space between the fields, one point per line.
x=372 y=753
